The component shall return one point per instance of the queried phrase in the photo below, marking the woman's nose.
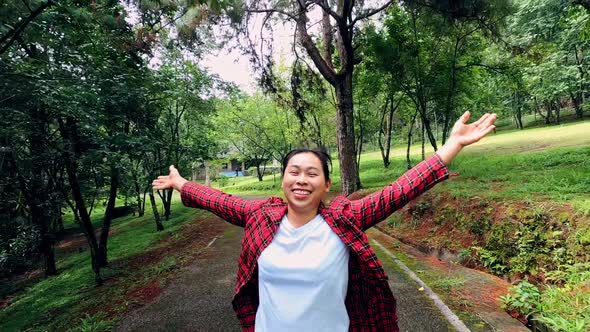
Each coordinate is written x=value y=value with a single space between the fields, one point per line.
x=301 y=178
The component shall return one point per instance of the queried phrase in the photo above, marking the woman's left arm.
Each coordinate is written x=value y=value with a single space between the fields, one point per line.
x=378 y=206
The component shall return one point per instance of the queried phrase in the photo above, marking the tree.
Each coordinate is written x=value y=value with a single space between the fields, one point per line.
x=549 y=35
x=335 y=63
x=183 y=99
x=257 y=128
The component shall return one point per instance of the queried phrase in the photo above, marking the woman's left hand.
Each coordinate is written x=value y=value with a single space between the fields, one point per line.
x=465 y=134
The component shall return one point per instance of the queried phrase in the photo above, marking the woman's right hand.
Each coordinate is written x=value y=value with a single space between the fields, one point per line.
x=170 y=181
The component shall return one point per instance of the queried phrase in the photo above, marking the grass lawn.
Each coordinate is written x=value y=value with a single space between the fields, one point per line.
x=545 y=163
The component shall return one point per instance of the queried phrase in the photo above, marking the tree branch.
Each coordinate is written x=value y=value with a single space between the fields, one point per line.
x=273 y=11
x=314 y=53
x=369 y=13
x=14 y=33
x=499 y=70
x=326 y=9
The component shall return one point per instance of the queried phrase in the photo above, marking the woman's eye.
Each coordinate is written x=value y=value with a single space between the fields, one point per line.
x=293 y=173
x=313 y=175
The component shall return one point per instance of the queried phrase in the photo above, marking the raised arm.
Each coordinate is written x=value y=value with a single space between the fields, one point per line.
x=228 y=207
x=378 y=206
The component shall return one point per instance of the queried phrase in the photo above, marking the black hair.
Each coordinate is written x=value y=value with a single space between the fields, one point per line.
x=322 y=155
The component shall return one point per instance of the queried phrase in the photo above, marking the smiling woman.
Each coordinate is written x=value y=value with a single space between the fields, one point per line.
x=308 y=266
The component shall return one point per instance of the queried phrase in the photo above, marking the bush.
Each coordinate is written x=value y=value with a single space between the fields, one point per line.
x=561 y=308
x=18 y=246
x=524 y=298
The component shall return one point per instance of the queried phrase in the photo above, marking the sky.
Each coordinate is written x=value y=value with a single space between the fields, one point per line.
x=232 y=66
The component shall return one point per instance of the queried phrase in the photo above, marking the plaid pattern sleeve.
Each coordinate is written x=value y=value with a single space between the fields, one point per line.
x=230 y=208
x=378 y=206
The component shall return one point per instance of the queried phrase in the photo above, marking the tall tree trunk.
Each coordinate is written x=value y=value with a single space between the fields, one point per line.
x=386 y=129
x=423 y=143
x=383 y=132
x=108 y=217
x=449 y=103
x=340 y=79
x=577 y=104
x=168 y=203
x=318 y=131
x=145 y=190
x=424 y=117
x=207 y=174
x=140 y=204
x=408 y=161
x=69 y=133
x=39 y=200
x=345 y=137
x=259 y=172
x=159 y=226
x=166 y=197
x=517 y=110
x=359 y=148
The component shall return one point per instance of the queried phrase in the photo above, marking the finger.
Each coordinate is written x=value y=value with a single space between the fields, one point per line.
x=487 y=131
x=171 y=168
x=489 y=121
x=482 y=119
x=465 y=117
x=163 y=177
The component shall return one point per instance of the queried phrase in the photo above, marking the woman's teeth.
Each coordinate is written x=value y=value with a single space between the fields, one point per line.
x=301 y=192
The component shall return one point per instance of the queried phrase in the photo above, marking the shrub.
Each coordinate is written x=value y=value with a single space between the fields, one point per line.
x=524 y=298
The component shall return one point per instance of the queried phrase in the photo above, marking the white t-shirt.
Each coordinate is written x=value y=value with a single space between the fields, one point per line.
x=302 y=279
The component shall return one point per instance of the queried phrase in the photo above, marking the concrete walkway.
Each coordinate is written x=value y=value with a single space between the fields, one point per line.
x=200 y=300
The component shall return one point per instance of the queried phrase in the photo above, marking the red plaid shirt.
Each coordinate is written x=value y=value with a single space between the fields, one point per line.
x=369 y=300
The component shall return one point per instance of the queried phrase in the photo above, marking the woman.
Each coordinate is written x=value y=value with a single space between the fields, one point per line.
x=305 y=266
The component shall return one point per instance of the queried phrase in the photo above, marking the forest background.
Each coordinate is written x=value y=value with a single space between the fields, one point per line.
x=99 y=97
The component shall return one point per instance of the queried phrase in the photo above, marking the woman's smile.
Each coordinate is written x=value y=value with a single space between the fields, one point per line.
x=304 y=183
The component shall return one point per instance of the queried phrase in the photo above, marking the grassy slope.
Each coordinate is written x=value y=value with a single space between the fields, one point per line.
x=59 y=296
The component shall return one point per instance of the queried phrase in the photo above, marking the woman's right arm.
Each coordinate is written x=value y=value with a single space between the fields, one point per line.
x=231 y=208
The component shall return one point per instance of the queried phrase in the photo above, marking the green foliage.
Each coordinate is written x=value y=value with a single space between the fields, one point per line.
x=524 y=298
x=73 y=289
x=530 y=244
x=394 y=220
x=562 y=308
x=480 y=225
x=96 y=323
x=492 y=260
x=168 y=264
x=223 y=180
x=448 y=284
x=419 y=210
x=18 y=242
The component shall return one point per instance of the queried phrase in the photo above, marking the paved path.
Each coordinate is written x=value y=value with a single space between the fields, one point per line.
x=200 y=300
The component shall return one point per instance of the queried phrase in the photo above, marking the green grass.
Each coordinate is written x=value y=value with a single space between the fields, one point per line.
x=74 y=286
x=546 y=163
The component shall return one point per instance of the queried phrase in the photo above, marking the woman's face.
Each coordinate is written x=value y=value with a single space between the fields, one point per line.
x=304 y=183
